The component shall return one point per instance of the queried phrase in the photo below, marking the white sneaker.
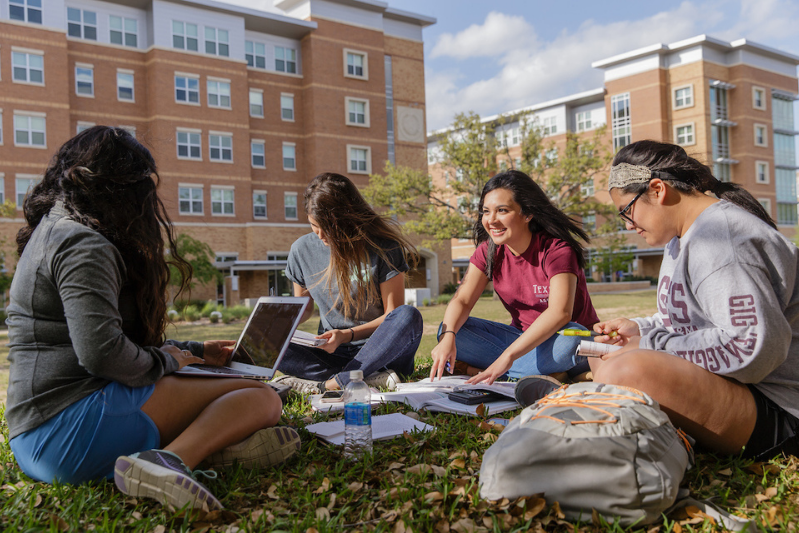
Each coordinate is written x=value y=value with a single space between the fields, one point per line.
x=302 y=386
x=387 y=379
x=265 y=447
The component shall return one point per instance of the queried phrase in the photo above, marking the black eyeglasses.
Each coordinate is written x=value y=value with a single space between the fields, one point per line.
x=623 y=212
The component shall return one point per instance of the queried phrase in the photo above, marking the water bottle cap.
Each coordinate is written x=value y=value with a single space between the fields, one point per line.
x=356 y=374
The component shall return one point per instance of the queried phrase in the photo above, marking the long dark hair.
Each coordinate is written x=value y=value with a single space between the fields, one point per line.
x=686 y=175
x=107 y=181
x=352 y=230
x=534 y=202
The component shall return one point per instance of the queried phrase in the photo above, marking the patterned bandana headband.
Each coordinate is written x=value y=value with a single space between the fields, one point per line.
x=624 y=174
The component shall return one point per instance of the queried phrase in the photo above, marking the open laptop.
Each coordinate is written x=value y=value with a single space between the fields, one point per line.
x=262 y=343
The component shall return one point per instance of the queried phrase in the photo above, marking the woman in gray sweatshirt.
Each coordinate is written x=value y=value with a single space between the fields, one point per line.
x=721 y=355
x=90 y=395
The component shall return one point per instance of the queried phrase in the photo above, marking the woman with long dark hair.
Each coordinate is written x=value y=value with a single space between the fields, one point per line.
x=353 y=266
x=721 y=355
x=90 y=395
x=529 y=249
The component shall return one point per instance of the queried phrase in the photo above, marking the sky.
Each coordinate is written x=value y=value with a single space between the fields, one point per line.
x=493 y=56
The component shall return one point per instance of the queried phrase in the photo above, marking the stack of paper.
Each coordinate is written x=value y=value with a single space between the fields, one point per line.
x=383 y=427
x=306 y=339
x=433 y=395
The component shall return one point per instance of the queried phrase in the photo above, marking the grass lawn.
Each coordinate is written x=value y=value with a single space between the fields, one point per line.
x=422 y=483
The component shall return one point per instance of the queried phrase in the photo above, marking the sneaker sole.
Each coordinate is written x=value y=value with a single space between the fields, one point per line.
x=144 y=479
x=266 y=447
x=389 y=382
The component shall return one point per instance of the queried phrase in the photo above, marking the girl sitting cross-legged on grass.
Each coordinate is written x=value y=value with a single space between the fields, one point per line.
x=721 y=355
x=529 y=249
x=90 y=395
x=353 y=266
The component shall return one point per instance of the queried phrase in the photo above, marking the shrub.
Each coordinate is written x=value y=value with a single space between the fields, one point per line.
x=209 y=307
x=426 y=302
x=240 y=311
x=449 y=288
x=214 y=316
x=180 y=305
x=172 y=315
x=227 y=316
x=444 y=298
x=191 y=313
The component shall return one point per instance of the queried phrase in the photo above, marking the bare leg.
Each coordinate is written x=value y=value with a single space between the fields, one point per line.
x=197 y=416
x=718 y=412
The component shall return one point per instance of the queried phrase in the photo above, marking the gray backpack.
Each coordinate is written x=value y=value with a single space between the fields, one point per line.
x=591 y=446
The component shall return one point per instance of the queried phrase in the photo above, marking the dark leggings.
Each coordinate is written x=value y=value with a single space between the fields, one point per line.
x=776 y=430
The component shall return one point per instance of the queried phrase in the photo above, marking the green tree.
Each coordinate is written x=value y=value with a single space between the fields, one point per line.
x=611 y=252
x=201 y=258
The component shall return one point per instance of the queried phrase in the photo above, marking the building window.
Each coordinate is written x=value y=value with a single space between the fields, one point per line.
x=24 y=186
x=84 y=80
x=589 y=222
x=255 y=53
x=785 y=184
x=28 y=67
x=189 y=145
x=83 y=126
x=82 y=23
x=256 y=103
x=761 y=135
x=220 y=147
x=187 y=89
x=216 y=42
x=290 y=205
x=30 y=130
x=2 y=188
x=761 y=172
x=718 y=104
x=184 y=36
x=125 y=85
x=584 y=121
x=722 y=172
x=222 y=201
x=356 y=65
x=285 y=60
x=784 y=150
x=25 y=10
x=123 y=31
x=287 y=107
x=684 y=97
x=550 y=125
x=620 y=120
x=359 y=159
x=552 y=156
x=782 y=113
x=357 y=112
x=190 y=200
x=759 y=98
x=766 y=203
x=289 y=156
x=258 y=153
x=259 y=204
x=218 y=93
x=587 y=189
x=684 y=134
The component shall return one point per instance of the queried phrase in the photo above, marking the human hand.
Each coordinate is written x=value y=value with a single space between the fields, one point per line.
x=335 y=338
x=624 y=327
x=444 y=353
x=490 y=374
x=218 y=352
x=183 y=357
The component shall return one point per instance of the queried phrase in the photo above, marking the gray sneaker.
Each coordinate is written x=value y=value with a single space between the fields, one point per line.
x=530 y=389
x=161 y=475
x=302 y=386
x=263 y=448
x=388 y=379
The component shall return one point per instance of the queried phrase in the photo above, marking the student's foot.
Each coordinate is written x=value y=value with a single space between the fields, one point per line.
x=530 y=389
x=266 y=447
x=161 y=475
x=387 y=379
x=302 y=386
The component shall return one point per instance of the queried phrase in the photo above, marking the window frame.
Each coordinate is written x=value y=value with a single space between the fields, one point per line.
x=191 y=200
x=189 y=132
x=221 y=135
x=549 y=126
x=187 y=76
x=82 y=24
x=255 y=55
x=764 y=142
x=223 y=201
x=621 y=127
x=265 y=194
x=282 y=116
x=123 y=31
x=26 y=11
x=132 y=74
x=348 y=100
x=763 y=106
x=216 y=41
x=350 y=160
x=220 y=82
x=32 y=178
x=364 y=68
x=692 y=141
x=30 y=131
x=286 y=62
x=185 y=36
x=767 y=175
x=586 y=124
x=28 y=53
x=293 y=146
x=262 y=144
x=90 y=68
x=688 y=101
x=82 y=125
x=286 y=206
x=260 y=92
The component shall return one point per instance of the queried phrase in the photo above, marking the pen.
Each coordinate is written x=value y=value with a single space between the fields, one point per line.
x=584 y=333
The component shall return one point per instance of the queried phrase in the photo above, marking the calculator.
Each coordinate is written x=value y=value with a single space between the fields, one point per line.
x=473 y=397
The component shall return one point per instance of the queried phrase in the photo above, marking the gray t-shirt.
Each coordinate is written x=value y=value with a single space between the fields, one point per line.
x=307 y=262
x=728 y=301
x=70 y=320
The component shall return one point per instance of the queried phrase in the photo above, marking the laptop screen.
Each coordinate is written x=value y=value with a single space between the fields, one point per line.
x=268 y=330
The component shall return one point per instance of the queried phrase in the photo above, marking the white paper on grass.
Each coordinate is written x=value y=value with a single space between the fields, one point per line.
x=383 y=427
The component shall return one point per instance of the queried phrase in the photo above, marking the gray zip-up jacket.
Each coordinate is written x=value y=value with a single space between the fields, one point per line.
x=68 y=324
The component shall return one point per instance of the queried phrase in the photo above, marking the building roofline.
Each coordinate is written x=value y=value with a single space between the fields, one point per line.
x=257 y=19
x=377 y=6
x=408 y=16
x=718 y=44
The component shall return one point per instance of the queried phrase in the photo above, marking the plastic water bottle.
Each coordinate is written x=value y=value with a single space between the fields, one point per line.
x=357 y=416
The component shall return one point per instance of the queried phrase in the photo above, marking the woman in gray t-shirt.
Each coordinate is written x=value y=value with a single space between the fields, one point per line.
x=353 y=266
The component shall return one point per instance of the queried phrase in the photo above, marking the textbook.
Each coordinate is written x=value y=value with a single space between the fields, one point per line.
x=304 y=338
x=595 y=349
x=433 y=396
x=383 y=427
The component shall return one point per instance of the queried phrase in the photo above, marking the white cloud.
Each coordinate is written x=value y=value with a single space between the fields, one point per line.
x=499 y=34
x=771 y=22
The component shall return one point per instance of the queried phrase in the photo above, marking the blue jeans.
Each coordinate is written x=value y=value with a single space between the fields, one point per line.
x=393 y=345
x=480 y=342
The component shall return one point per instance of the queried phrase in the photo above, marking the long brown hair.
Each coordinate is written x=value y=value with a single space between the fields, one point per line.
x=107 y=181
x=352 y=230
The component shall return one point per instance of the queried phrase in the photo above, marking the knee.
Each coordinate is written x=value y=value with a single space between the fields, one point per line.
x=626 y=370
x=409 y=319
x=269 y=404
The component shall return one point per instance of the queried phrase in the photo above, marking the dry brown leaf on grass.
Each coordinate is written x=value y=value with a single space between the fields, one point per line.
x=323 y=487
x=442 y=526
x=773 y=516
x=458 y=453
x=311 y=530
x=458 y=463
x=725 y=472
x=760 y=468
x=355 y=486
x=396 y=466
x=464 y=525
x=433 y=497
x=332 y=502
x=160 y=528
x=271 y=493
x=534 y=507
x=57 y=522
x=557 y=511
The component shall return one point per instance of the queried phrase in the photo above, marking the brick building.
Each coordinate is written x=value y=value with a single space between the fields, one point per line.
x=731 y=105
x=240 y=108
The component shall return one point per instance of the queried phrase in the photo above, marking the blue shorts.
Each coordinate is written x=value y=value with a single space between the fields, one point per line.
x=82 y=442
